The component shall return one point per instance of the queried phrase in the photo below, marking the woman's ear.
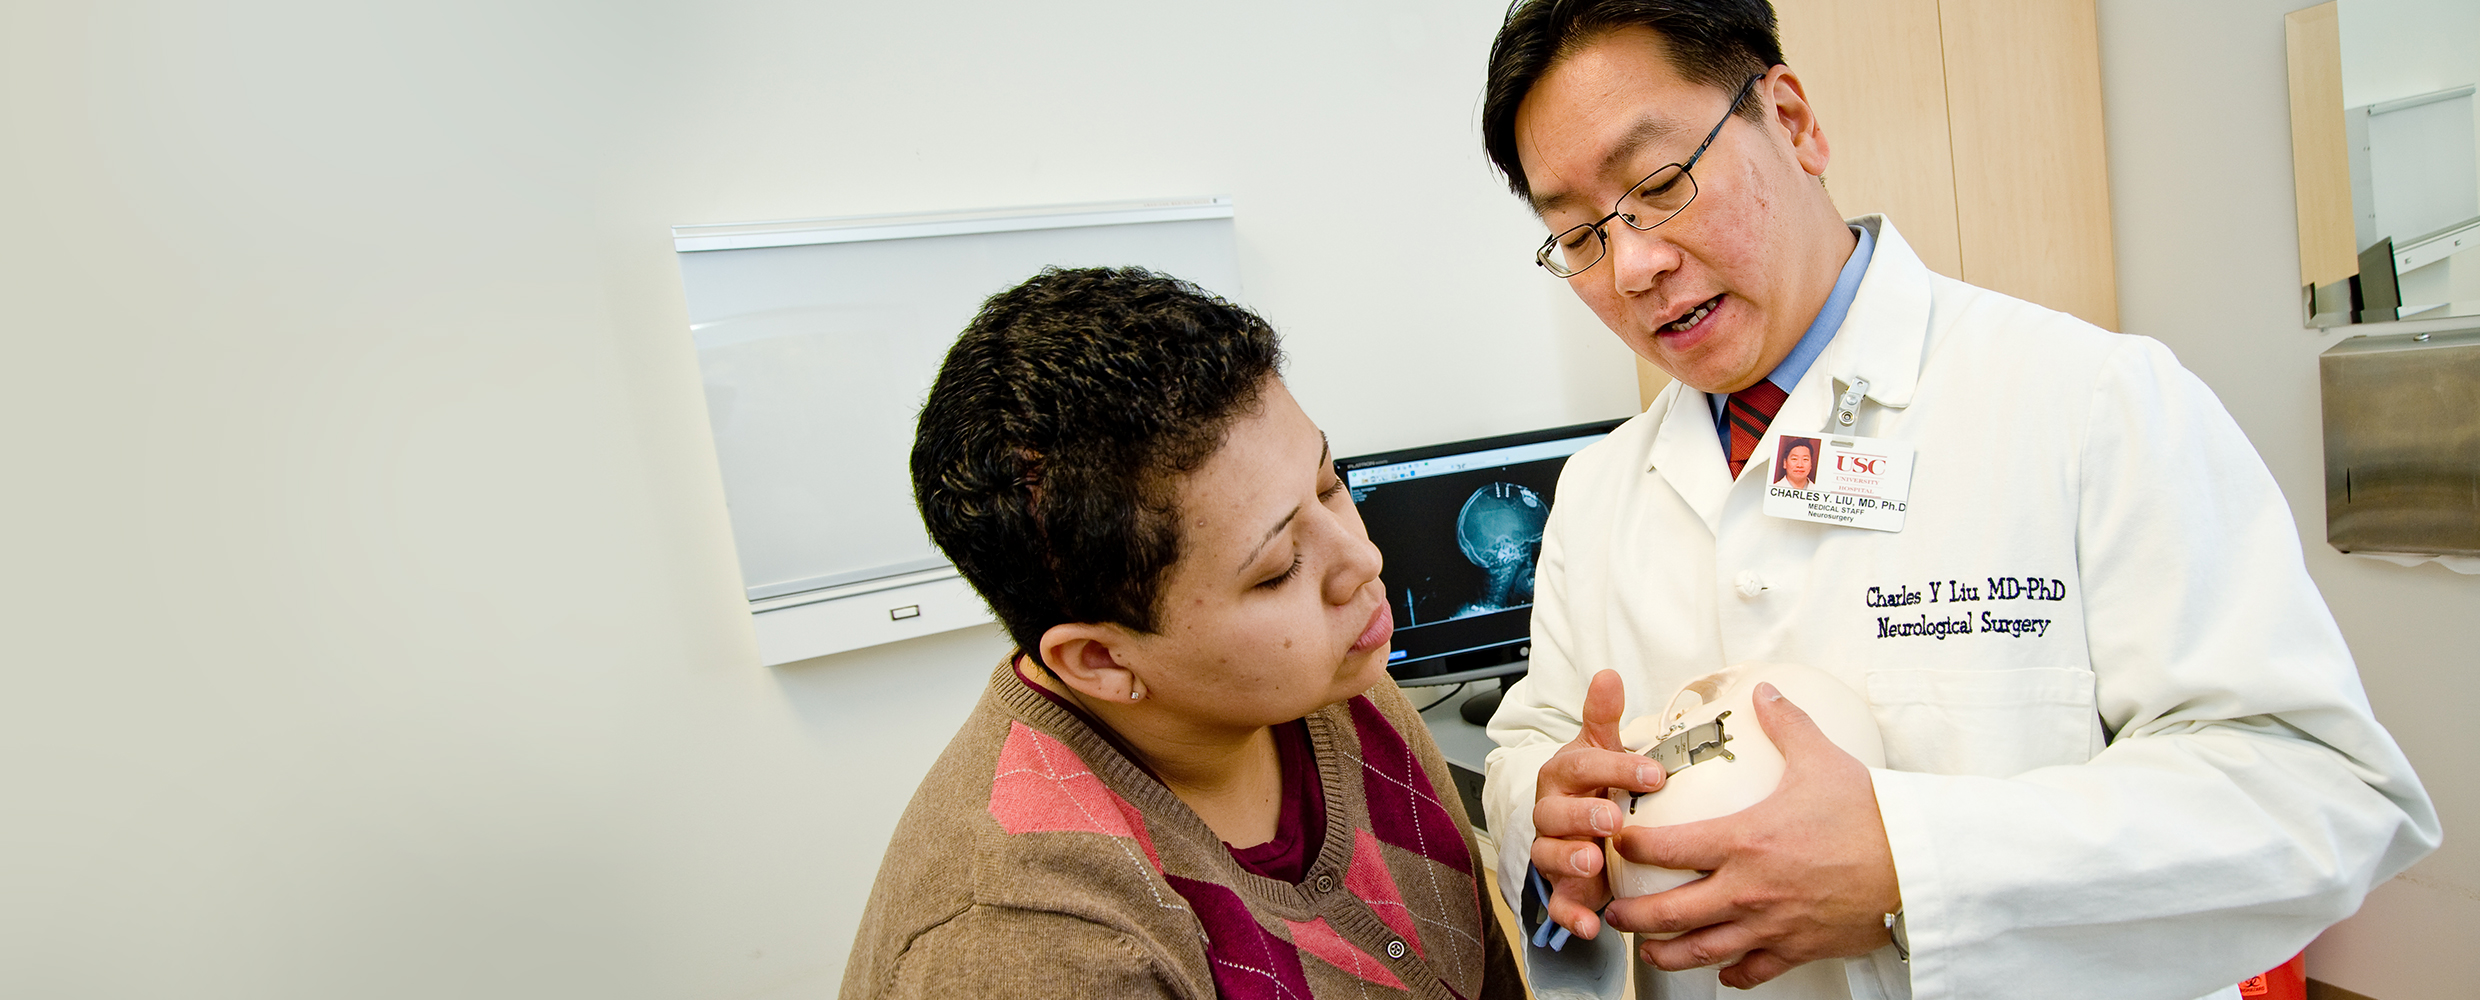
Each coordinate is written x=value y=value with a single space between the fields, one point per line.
x=1093 y=660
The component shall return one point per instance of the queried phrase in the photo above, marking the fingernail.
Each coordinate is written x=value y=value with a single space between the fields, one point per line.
x=1575 y=862
x=1648 y=775
x=1769 y=692
x=1601 y=821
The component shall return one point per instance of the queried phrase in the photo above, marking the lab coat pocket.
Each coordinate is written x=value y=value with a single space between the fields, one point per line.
x=1991 y=723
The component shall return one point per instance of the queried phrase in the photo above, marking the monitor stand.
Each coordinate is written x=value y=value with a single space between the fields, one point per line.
x=1478 y=708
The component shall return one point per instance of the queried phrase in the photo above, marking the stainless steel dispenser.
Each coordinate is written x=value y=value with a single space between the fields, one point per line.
x=2402 y=443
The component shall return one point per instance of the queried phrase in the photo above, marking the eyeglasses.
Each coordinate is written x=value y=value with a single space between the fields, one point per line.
x=1657 y=199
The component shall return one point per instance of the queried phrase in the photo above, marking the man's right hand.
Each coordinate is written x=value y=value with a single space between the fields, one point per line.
x=1571 y=812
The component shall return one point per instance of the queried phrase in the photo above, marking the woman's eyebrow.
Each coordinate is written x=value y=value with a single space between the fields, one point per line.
x=1261 y=543
x=1326 y=456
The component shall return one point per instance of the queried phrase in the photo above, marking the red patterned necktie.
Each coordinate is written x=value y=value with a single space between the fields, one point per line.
x=1746 y=413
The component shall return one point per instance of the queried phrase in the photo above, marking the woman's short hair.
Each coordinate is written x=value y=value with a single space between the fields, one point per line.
x=1047 y=458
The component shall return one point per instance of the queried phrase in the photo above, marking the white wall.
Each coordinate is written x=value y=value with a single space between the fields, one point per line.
x=369 y=625
x=2200 y=178
x=2397 y=48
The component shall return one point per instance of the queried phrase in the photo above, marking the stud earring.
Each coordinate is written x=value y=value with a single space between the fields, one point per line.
x=1132 y=694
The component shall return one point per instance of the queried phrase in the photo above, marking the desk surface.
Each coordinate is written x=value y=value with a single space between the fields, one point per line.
x=1463 y=744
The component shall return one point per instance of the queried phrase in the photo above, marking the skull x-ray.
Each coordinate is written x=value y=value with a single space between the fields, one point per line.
x=1499 y=530
x=1463 y=543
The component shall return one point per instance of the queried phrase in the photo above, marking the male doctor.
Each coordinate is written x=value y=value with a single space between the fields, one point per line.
x=2127 y=752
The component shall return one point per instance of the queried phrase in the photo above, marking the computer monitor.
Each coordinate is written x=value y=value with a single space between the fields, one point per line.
x=1460 y=525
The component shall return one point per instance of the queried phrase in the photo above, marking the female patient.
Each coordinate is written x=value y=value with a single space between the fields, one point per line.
x=1192 y=777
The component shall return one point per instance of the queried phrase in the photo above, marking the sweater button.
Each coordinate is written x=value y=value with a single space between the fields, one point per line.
x=1750 y=584
x=1325 y=883
x=1394 y=949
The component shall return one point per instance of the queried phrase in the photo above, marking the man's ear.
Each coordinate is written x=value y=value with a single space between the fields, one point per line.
x=1795 y=116
x=1092 y=659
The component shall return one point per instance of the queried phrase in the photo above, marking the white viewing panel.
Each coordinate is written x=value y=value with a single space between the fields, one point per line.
x=817 y=340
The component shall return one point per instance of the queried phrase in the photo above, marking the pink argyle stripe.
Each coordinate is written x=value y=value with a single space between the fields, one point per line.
x=1041 y=785
x=1369 y=879
x=1318 y=939
x=1403 y=808
x=1136 y=825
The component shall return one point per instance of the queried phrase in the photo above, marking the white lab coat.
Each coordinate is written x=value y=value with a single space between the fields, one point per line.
x=2172 y=784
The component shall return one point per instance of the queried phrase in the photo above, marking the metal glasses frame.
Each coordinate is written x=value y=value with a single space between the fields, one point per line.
x=1550 y=247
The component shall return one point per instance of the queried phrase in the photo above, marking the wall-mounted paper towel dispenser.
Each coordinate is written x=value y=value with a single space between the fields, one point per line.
x=2402 y=444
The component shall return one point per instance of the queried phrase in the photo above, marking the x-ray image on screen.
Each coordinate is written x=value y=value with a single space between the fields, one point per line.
x=1460 y=544
x=1461 y=526
x=1500 y=531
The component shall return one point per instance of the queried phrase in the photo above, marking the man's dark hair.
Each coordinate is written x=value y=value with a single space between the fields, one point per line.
x=1717 y=43
x=1047 y=458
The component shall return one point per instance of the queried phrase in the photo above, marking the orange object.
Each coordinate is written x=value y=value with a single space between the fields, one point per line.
x=2287 y=981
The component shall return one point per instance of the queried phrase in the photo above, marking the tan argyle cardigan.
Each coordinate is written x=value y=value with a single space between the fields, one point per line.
x=1037 y=861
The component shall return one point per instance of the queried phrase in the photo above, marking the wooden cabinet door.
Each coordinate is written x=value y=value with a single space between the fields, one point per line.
x=1976 y=126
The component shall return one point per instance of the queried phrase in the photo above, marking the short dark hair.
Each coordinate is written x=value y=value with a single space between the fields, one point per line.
x=1047 y=458
x=1717 y=43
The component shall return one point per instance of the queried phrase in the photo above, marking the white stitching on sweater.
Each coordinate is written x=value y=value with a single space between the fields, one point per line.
x=1429 y=871
x=1127 y=845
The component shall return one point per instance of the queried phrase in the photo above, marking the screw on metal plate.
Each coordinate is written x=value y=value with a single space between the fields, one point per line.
x=1686 y=748
x=1693 y=745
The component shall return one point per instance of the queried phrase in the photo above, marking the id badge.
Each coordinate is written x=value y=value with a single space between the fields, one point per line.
x=1839 y=479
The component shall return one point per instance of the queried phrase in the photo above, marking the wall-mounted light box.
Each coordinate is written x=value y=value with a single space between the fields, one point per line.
x=817 y=340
